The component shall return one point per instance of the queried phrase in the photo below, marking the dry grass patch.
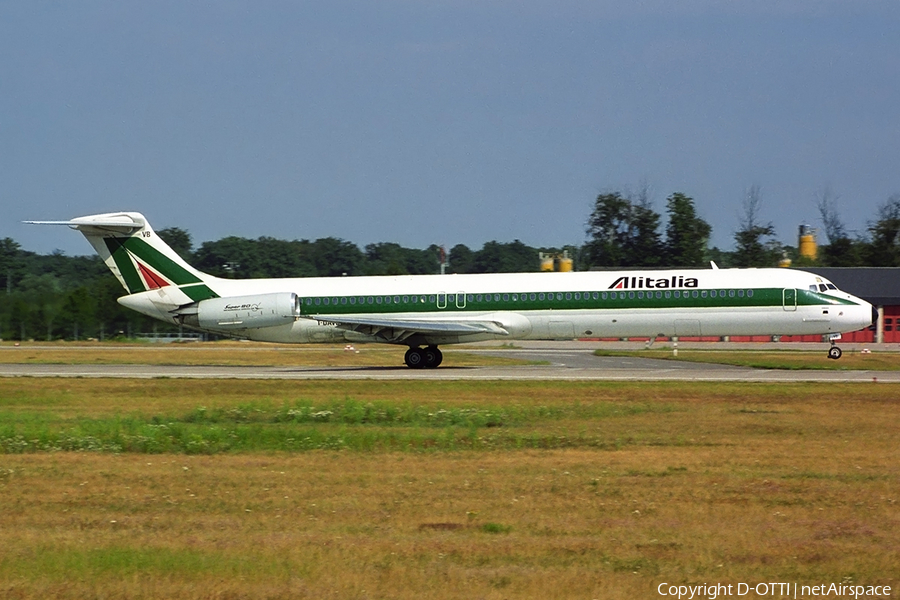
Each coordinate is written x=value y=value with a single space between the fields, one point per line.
x=774 y=359
x=697 y=483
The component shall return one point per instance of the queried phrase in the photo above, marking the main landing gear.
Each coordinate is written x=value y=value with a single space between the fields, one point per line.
x=423 y=358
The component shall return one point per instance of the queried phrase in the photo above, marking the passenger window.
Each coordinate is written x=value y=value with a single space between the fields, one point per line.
x=712 y=294
x=631 y=295
x=396 y=299
x=559 y=296
x=749 y=293
x=405 y=299
x=659 y=294
x=344 y=300
x=640 y=295
x=741 y=293
x=318 y=301
x=696 y=294
x=577 y=296
x=597 y=296
x=471 y=297
x=352 y=299
x=669 y=294
x=677 y=294
x=506 y=297
x=731 y=293
x=604 y=295
x=568 y=295
x=377 y=299
x=533 y=297
x=614 y=295
x=540 y=296
x=496 y=297
x=479 y=297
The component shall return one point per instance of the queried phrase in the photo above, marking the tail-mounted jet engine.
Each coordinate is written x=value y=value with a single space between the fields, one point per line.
x=242 y=312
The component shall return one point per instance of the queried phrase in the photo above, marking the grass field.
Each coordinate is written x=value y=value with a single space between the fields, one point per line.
x=190 y=489
x=773 y=359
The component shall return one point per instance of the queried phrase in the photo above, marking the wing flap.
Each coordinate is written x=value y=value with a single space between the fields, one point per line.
x=397 y=330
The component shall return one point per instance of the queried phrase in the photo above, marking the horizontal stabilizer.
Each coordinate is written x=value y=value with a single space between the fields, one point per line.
x=119 y=221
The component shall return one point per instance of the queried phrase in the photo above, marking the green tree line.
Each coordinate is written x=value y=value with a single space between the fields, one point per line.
x=46 y=297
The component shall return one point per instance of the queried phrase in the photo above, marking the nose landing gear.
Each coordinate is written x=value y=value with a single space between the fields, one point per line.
x=423 y=358
x=834 y=352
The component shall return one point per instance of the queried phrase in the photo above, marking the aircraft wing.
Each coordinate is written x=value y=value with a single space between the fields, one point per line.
x=397 y=330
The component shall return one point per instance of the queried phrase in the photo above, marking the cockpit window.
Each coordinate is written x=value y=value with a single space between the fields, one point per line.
x=813 y=288
x=823 y=287
x=831 y=286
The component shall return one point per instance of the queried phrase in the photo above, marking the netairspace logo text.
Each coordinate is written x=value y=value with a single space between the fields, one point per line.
x=773 y=590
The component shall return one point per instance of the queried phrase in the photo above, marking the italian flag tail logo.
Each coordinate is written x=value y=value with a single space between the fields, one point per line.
x=152 y=280
x=141 y=267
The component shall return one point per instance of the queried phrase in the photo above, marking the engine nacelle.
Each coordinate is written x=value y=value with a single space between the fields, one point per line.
x=246 y=312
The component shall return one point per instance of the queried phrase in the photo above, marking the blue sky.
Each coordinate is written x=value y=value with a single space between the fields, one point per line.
x=441 y=122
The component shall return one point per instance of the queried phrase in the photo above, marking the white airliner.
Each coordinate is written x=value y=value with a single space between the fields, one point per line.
x=425 y=311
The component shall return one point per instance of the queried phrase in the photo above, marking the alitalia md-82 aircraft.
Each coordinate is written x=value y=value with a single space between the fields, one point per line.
x=425 y=311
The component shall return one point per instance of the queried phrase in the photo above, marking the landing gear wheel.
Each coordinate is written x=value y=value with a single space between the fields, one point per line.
x=415 y=358
x=834 y=352
x=423 y=358
x=433 y=357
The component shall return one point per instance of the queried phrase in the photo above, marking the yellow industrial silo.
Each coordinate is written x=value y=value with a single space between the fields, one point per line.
x=555 y=262
x=546 y=261
x=807 y=248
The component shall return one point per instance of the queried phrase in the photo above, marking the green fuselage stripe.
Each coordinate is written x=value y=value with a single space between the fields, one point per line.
x=198 y=292
x=630 y=299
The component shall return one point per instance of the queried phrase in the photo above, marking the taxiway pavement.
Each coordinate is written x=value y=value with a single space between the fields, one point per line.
x=565 y=361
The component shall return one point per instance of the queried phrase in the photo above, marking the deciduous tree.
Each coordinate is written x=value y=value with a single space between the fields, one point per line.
x=687 y=235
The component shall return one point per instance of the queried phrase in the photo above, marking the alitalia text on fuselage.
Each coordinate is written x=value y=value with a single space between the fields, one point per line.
x=635 y=282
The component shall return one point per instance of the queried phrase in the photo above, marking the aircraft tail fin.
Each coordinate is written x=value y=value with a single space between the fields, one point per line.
x=137 y=256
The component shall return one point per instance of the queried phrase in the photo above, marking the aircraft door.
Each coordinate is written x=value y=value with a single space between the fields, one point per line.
x=789 y=297
x=442 y=300
x=460 y=299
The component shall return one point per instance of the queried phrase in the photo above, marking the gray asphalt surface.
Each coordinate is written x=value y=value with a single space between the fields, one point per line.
x=569 y=361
